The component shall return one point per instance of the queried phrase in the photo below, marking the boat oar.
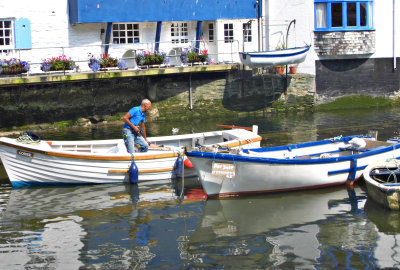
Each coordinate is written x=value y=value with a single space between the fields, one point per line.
x=233 y=126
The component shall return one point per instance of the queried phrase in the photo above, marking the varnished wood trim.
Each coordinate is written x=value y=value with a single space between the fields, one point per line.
x=141 y=171
x=242 y=142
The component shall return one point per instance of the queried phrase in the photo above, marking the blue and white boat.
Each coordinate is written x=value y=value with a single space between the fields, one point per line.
x=301 y=166
x=273 y=58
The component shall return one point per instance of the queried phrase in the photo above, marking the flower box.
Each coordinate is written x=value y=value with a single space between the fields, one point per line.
x=13 y=70
x=13 y=67
x=106 y=63
x=151 y=59
x=61 y=63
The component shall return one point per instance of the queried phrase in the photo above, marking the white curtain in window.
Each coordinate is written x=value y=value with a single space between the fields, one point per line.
x=321 y=15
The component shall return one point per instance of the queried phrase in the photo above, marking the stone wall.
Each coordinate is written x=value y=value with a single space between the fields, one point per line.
x=344 y=43
x=367 y=76
x=212 y=93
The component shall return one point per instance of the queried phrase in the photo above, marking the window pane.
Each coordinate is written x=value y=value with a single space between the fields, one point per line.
x=351 y=14
x=7 y=24
x=321 y=15
x=363 y=14
x=129 y=26
x=337 y=15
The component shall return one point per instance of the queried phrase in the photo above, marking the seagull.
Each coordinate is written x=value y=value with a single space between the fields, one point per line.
x=175 y=131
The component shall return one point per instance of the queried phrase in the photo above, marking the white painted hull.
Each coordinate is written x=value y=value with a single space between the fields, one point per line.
x=387 y=194
x=275 y=171
x=106 y=161
x=273 y=58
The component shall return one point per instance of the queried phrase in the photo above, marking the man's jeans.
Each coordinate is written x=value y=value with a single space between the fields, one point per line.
x=131 y=139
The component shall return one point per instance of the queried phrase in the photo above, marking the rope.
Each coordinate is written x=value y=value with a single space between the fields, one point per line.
x=26 y=139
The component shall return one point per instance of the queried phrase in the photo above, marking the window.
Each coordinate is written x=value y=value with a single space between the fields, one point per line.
x=125 y=33
x=6 y=35
x=343 y=15
x=228 y=32
x=247 y=32
x=179 y=33
x=211 y=32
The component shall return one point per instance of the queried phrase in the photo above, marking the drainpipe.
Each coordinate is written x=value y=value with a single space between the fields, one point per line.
x=108 y=36
x=158 y=35
x=198 y=36
x=394 y=36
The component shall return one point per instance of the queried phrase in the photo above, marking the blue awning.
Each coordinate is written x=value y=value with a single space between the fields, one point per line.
x=102 y=11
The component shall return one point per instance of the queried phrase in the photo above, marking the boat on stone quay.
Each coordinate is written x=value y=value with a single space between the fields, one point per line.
x=382 y=181
x=31 y=162
x=309 y=165
x=276 y=57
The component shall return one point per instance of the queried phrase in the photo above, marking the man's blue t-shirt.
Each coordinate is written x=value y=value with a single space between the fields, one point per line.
x=137 y=116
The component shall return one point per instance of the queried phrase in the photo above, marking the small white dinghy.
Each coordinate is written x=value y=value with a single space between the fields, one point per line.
x=309 y=165
x=107 y=161
x=382 y=179
x=273 y=58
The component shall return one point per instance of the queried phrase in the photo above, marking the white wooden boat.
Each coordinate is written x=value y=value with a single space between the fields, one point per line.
x=273 y=58
x=106 y=161
x=293 y=167
x=382 y=179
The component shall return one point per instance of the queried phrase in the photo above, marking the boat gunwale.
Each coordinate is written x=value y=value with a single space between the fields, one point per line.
x=386 y=188
x=127 y=157
x=256 y=159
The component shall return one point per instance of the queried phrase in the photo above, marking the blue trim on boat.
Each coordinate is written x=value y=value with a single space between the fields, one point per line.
x=359 y=168
x=266 y=55
x=230 y=157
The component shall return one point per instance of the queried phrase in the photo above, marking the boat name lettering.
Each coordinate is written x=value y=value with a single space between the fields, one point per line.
x=223 y=170
x=25 y=154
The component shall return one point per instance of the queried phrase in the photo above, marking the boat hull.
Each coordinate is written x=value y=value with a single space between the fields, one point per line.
x=254 y=174
x=104 y=162
x=386 y=194
x=273 y=58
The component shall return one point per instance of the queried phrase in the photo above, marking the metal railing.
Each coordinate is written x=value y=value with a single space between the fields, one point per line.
x=218 y=51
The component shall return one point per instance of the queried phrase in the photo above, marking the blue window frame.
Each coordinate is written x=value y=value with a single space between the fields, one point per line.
x=343 y=15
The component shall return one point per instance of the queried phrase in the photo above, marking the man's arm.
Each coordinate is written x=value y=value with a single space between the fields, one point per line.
x=126 y=118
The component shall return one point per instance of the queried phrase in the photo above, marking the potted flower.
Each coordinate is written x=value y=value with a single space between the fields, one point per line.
x=293 y=69
x=146 y=58
x=106 y=61
x=192 y=56
x=57 y=63
x=279 y=69
x=13 y=66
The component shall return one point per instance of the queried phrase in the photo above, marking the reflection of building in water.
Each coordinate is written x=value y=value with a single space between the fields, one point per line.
x=79 y=225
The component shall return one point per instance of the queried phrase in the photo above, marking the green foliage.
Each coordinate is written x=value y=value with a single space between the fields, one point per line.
x=356 y=101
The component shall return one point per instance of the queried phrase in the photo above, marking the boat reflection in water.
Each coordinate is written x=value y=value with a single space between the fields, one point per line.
x=80 y=225
x=292 y=229
x=148 y=226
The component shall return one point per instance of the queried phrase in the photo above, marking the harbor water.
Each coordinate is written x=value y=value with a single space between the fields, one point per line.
x=171 y=225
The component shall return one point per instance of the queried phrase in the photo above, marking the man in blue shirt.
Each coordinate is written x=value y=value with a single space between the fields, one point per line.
x=134 y=130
